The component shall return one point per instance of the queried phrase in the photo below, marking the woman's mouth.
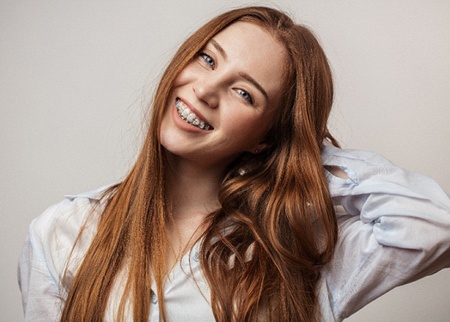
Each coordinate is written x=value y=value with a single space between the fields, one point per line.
x=190 y=117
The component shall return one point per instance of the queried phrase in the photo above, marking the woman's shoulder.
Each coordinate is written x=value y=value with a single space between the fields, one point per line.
x=53 y=234
x=57 y=239
x=335 y=156
x=70 y=213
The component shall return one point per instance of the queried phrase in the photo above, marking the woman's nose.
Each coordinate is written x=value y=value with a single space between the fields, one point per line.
x=207 y=91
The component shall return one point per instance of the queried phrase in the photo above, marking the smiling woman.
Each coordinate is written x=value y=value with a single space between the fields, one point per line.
x=241 y=206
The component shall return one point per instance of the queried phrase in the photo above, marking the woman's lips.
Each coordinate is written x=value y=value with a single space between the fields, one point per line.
x=190 y=117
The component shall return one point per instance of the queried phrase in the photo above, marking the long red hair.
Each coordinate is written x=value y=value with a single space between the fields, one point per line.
x=275 y=206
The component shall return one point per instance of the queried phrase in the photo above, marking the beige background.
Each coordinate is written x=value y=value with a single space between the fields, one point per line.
x=75 y=78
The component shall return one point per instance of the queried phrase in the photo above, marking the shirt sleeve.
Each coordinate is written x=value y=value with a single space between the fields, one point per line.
x=41 y=298
x=394 y=228
x=50 y=257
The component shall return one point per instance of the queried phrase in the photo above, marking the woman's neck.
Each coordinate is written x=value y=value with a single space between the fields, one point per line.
x=192 y=194
x=191 y=189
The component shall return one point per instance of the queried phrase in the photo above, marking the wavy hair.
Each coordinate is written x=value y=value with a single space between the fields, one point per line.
x=262 y=251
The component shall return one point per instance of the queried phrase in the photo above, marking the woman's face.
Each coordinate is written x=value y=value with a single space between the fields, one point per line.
x=224 y=101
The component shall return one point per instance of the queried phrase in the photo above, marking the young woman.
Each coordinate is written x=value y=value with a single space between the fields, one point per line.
x=240 y=206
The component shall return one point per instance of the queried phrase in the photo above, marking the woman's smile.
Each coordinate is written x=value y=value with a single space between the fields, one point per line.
x=188 y=115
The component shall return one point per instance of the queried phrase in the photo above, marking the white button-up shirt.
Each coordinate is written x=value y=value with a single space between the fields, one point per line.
x=394 y=228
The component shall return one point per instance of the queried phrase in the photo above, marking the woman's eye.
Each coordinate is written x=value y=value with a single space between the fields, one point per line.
x=245 y=95
x=207 y=59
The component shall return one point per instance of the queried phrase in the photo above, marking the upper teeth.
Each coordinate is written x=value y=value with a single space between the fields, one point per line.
x=190 y=117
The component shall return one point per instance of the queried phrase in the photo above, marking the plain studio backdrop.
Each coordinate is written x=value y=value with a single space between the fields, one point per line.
x=76 y=78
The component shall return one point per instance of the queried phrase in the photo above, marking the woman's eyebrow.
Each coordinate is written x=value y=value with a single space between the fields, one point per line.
x=255 y=83
x=246 y=76
x=219 y=48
